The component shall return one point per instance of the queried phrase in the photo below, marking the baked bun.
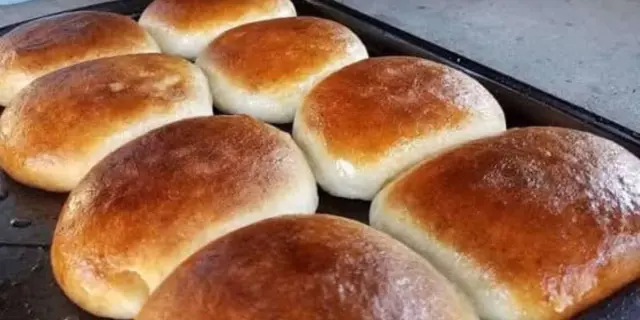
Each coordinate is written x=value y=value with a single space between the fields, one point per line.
x=44 y=45
x=186 y=27
x=537 y=223
x=264 y=69
x=367 y=122
x=63 y=123
x=155 y=201
x=306 y=267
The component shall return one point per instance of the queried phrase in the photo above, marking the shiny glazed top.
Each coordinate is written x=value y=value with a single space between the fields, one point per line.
x=314 y=267
x=57 y=41
x=364 y=110
x=552 y=213
x=269 y=54
x=199 y=15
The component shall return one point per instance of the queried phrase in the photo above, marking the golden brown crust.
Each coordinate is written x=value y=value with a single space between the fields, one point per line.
x=61 y=40
x=552 y=213
x=69 y=112
x=70 y=118
x=197 y=15
x=266 y=54
x=367 y=108
x=209 y=167
x=304 y=267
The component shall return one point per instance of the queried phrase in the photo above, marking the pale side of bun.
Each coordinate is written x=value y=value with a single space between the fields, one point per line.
x=265 y=69
x=44 y=45
x=152 y=203
x=364 y=124
x=186 y=27
x=306 y=267
x=534 y=224
x=65 y=122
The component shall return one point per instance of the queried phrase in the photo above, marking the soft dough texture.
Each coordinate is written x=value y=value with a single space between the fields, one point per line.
x=63 y=123
x=186 y=27
x=149 y=205
x=306 y=267
x=264 y=69
x=367 y=122
x=44 y=45
x=534 y=224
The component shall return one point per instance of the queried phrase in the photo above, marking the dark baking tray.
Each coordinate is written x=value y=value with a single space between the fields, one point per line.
x=27 y=289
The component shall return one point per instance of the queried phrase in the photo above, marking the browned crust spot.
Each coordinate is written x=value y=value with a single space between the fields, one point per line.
x=303 y=267
x=268 y=54
x=152 y=196
x=196 y=15
x=367 y=108
x=553 y=213
x=71 y=111
x=70 y=37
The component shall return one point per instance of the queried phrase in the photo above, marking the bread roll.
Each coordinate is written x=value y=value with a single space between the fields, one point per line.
x=44 y=45
x=534 y=224
x=364 y=124
x=66 y=121
x=264 y=69
x=186 y=27
x=306 y=267
x=158 y=199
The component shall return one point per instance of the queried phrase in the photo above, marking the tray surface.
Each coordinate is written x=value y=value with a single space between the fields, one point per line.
x=28 y=216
